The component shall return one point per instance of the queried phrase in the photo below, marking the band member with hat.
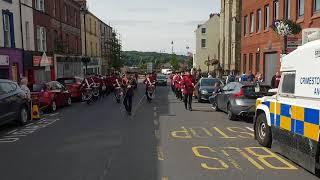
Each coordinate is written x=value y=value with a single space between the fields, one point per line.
x=187 y=84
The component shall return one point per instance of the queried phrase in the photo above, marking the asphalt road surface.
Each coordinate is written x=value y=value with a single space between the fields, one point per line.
x=161 y=141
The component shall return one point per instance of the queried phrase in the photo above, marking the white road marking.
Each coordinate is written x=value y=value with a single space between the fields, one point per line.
x=156 y=123
x=53 y=114
x=155 y=114
x=154 y=108
x=12 y=131
x=251 y=129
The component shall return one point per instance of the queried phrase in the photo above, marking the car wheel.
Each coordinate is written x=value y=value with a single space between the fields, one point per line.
x=263 y=131
x=69 y=101
x=199 y=99
x=215 y=107
x=53 y=106
x=23 y=116
x=231 y=116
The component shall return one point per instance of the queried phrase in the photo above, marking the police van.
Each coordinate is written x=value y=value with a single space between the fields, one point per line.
x=289 y=121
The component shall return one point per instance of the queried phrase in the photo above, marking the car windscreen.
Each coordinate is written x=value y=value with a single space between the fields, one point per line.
x=67 y=81
x=162 y=77
x=209 y=82
x=256 y=91
x=37 y=87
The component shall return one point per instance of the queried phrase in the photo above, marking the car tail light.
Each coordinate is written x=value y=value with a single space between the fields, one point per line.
x=239 y=94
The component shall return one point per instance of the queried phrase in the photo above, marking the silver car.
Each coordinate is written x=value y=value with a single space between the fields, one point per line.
x=239 y=99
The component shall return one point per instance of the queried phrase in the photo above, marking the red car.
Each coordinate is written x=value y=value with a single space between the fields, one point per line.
x=73 y=85
x=51 y=95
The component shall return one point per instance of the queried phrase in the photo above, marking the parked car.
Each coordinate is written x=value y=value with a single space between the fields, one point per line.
x=73 y=85
x=51 y=95
x=239 y=99
x=204 y=88
x=14 y=104
x=162 y=80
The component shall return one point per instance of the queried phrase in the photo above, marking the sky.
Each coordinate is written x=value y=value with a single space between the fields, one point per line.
x=151 y=25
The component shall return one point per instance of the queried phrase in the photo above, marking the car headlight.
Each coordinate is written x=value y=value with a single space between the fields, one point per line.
x=204 y=91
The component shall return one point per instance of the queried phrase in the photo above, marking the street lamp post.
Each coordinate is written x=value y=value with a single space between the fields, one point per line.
x=86 y=60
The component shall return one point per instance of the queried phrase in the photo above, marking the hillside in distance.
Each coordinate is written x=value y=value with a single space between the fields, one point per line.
x=135 y=58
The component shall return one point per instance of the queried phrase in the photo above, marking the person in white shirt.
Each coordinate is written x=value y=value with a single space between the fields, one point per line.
x=24 y=88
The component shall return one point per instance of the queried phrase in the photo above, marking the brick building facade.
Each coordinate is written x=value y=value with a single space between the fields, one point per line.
x=57 y=33
x=260 y=46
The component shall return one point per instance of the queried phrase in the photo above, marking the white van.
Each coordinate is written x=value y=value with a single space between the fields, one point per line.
x=289 y=121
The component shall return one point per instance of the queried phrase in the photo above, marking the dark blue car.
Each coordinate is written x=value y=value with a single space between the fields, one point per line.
x=14 y=105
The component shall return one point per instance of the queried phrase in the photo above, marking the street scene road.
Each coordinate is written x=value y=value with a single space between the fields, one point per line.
x=161 y=140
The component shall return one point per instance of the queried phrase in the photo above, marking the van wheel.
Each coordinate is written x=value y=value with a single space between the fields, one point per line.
x=215 y=107
x=23 y=116
x=263 y=131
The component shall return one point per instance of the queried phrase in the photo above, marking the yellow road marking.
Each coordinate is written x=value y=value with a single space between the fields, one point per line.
x=157 y=134
x=156 y=122
x=164 y=178
x=160 y=153
x=223 y=134
x=196 y=152
x=184 y=134
x=241 y=131
x=245 y=155
x=193 y=131
x=263 y=158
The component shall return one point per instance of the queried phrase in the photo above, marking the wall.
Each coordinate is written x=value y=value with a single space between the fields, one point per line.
x=13 y=8
x=212 y=39
x=27 y=16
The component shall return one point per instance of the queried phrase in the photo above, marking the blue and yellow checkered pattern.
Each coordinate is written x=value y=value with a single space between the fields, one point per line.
x=296 y=119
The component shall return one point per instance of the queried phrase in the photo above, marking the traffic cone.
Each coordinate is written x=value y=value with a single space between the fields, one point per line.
x=35 y=109
x=35 y=112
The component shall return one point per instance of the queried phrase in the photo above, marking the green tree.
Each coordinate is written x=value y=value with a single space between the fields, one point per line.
x=116 y=55
x=174 y=62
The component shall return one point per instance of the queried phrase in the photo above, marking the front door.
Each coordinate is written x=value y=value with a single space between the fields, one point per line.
x=270 y=66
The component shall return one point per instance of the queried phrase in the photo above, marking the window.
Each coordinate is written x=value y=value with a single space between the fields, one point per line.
x=288 y=83
x=251 y=23
x=91 y=48
x=55 y=39
x=257 y=62
x=245 y=25
x=203 y=30
x=250 y=61
x=41 y=39
x=40 y=5
x=266 y=16
x=6 y=88
x=7 y=29
x=75 y=18
x=65 y=13
x=96 y=49
x=54 y=9
x=276 y=10
x=67 y=42
x=203 y=43
x=259 y=20
x=27 y=35
x=287 y=9
x=95 y=27
x=316 y=5
x=244 y=65
x=90 y=25
x=300 y=8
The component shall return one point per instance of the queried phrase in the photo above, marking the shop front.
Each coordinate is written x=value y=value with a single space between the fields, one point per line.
x=11 y=64
x=36 y=71
x=68 y=66
x=94 y=66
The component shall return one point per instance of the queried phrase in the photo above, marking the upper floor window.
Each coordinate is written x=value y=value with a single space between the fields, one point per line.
x=203 y=43
x=65 y=13
x=75 y=18
x=300 y=8
x=259 y=20
x=95 y=27
x=41 y=39
x=266 y=16
x=40 y=5
x=245 y=25
x=203 y=30
x=287 y=9
x=8 y=29
x=251 y=23
x=54 y=8
x=276 y=10
x=316 y=5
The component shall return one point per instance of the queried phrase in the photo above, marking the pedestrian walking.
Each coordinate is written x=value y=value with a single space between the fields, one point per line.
x=275 y=80
x=243 y=77
x=187 y=84
x=251 y=77
x=216 y=90
x=26 y=90
x=128 y=84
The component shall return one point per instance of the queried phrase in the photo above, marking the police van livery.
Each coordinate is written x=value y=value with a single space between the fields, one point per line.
x=289 y=121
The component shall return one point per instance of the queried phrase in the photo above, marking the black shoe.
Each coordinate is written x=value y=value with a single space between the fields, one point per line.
x=190 y=109
x=129 y=113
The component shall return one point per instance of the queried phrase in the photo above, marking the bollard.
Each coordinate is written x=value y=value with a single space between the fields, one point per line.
x=35 y=109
